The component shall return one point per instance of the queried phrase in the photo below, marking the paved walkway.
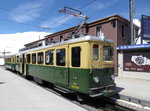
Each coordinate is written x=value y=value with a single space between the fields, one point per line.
x=136 y=89
x=18 y=94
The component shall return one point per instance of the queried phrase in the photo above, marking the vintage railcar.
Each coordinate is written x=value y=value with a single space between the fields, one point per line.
x=10 y=62
x=82 y=65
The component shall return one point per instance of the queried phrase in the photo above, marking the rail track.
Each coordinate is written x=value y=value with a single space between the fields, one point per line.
x=91 y=104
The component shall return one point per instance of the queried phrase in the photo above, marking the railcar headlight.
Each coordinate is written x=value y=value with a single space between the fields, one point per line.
x=112 y=77
x=96 y=79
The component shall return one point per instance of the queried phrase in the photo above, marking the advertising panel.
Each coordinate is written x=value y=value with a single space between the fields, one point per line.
x=138 y=60
x=145 y=27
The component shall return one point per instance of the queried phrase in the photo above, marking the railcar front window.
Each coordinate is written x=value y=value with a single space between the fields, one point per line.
x=49 y=57
x=76 y=56
x=60 y=57
x=40 y=58
x=107 y=53
x=95 y=52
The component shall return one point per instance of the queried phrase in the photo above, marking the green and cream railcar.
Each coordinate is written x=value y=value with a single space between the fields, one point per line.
x=10 y=62
x=84 y=65
x=17 y=63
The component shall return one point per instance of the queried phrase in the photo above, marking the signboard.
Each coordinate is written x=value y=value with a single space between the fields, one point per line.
x=129 y=47
x=137 y=60
x=145 y=27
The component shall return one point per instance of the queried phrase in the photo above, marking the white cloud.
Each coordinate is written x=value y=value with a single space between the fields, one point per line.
x=26 y=11
x=56 y=21
x=13 y=42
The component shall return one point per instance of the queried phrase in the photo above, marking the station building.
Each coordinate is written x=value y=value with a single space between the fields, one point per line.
x=134 y=61
x=114 y=27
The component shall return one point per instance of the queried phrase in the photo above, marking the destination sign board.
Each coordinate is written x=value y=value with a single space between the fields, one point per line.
x=145 y=27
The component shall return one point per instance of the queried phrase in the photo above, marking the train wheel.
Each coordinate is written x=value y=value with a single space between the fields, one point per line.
x=81 y=97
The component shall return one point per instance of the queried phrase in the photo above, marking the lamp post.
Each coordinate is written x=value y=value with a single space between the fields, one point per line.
x=4 y=52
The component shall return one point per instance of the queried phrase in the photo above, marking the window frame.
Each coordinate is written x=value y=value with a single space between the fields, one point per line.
x=41 y=55
x=28 y=57
x=65 y=56
x=34 y=55
x=17 y=59
x=98 y=53
x=99 y=32
x=50 y=63
x=72 y=64
x=123 y=30
x=111 y=54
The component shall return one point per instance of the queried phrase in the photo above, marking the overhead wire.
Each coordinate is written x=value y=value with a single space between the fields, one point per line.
x=87 y=4
x=39 y=19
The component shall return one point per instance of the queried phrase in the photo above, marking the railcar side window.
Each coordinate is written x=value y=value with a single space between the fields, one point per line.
x=34 y=58
x=76 y=56
x=107 y=53
x=60 y=57
x=21 y=59
x=28 y=58
x=40 y=58
x=49 y=55
x=95 y=52
x=17 y=60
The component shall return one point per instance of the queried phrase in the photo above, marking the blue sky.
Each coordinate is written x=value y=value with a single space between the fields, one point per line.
x=20 y=19
x=27 y=15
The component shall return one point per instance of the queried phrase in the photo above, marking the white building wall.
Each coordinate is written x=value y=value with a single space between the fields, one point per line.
x=130 y=74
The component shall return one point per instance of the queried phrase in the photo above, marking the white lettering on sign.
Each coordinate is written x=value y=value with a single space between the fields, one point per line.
x=140 y=60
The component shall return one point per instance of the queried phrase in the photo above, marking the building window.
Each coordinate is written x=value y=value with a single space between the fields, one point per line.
x=122 y=30
x=107 y=53
x=98 y=31
x=61 y=38
x=34 y=58
x=95 y=52
x=28 y=58
x=76 y=56
x=60 y=57
x=40 y=58
x=49 y=55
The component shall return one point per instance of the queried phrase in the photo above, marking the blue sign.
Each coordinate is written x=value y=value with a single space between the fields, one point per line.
x=145 y=27
x=133 y=46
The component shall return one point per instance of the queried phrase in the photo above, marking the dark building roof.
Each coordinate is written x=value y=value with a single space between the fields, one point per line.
x=94 y=23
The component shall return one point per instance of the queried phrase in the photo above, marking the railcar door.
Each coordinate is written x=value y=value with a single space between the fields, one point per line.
x=79 y=67
x=61 y=69
x=22 y=64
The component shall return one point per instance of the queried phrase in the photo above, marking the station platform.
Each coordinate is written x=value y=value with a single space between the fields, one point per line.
x=19 y=94
x=133 y=90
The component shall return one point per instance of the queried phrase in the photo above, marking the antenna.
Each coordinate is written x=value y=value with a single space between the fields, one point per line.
x=76 y=13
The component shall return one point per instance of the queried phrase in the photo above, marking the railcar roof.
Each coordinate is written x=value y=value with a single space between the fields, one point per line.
x=80 y=39
x=8 y=56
